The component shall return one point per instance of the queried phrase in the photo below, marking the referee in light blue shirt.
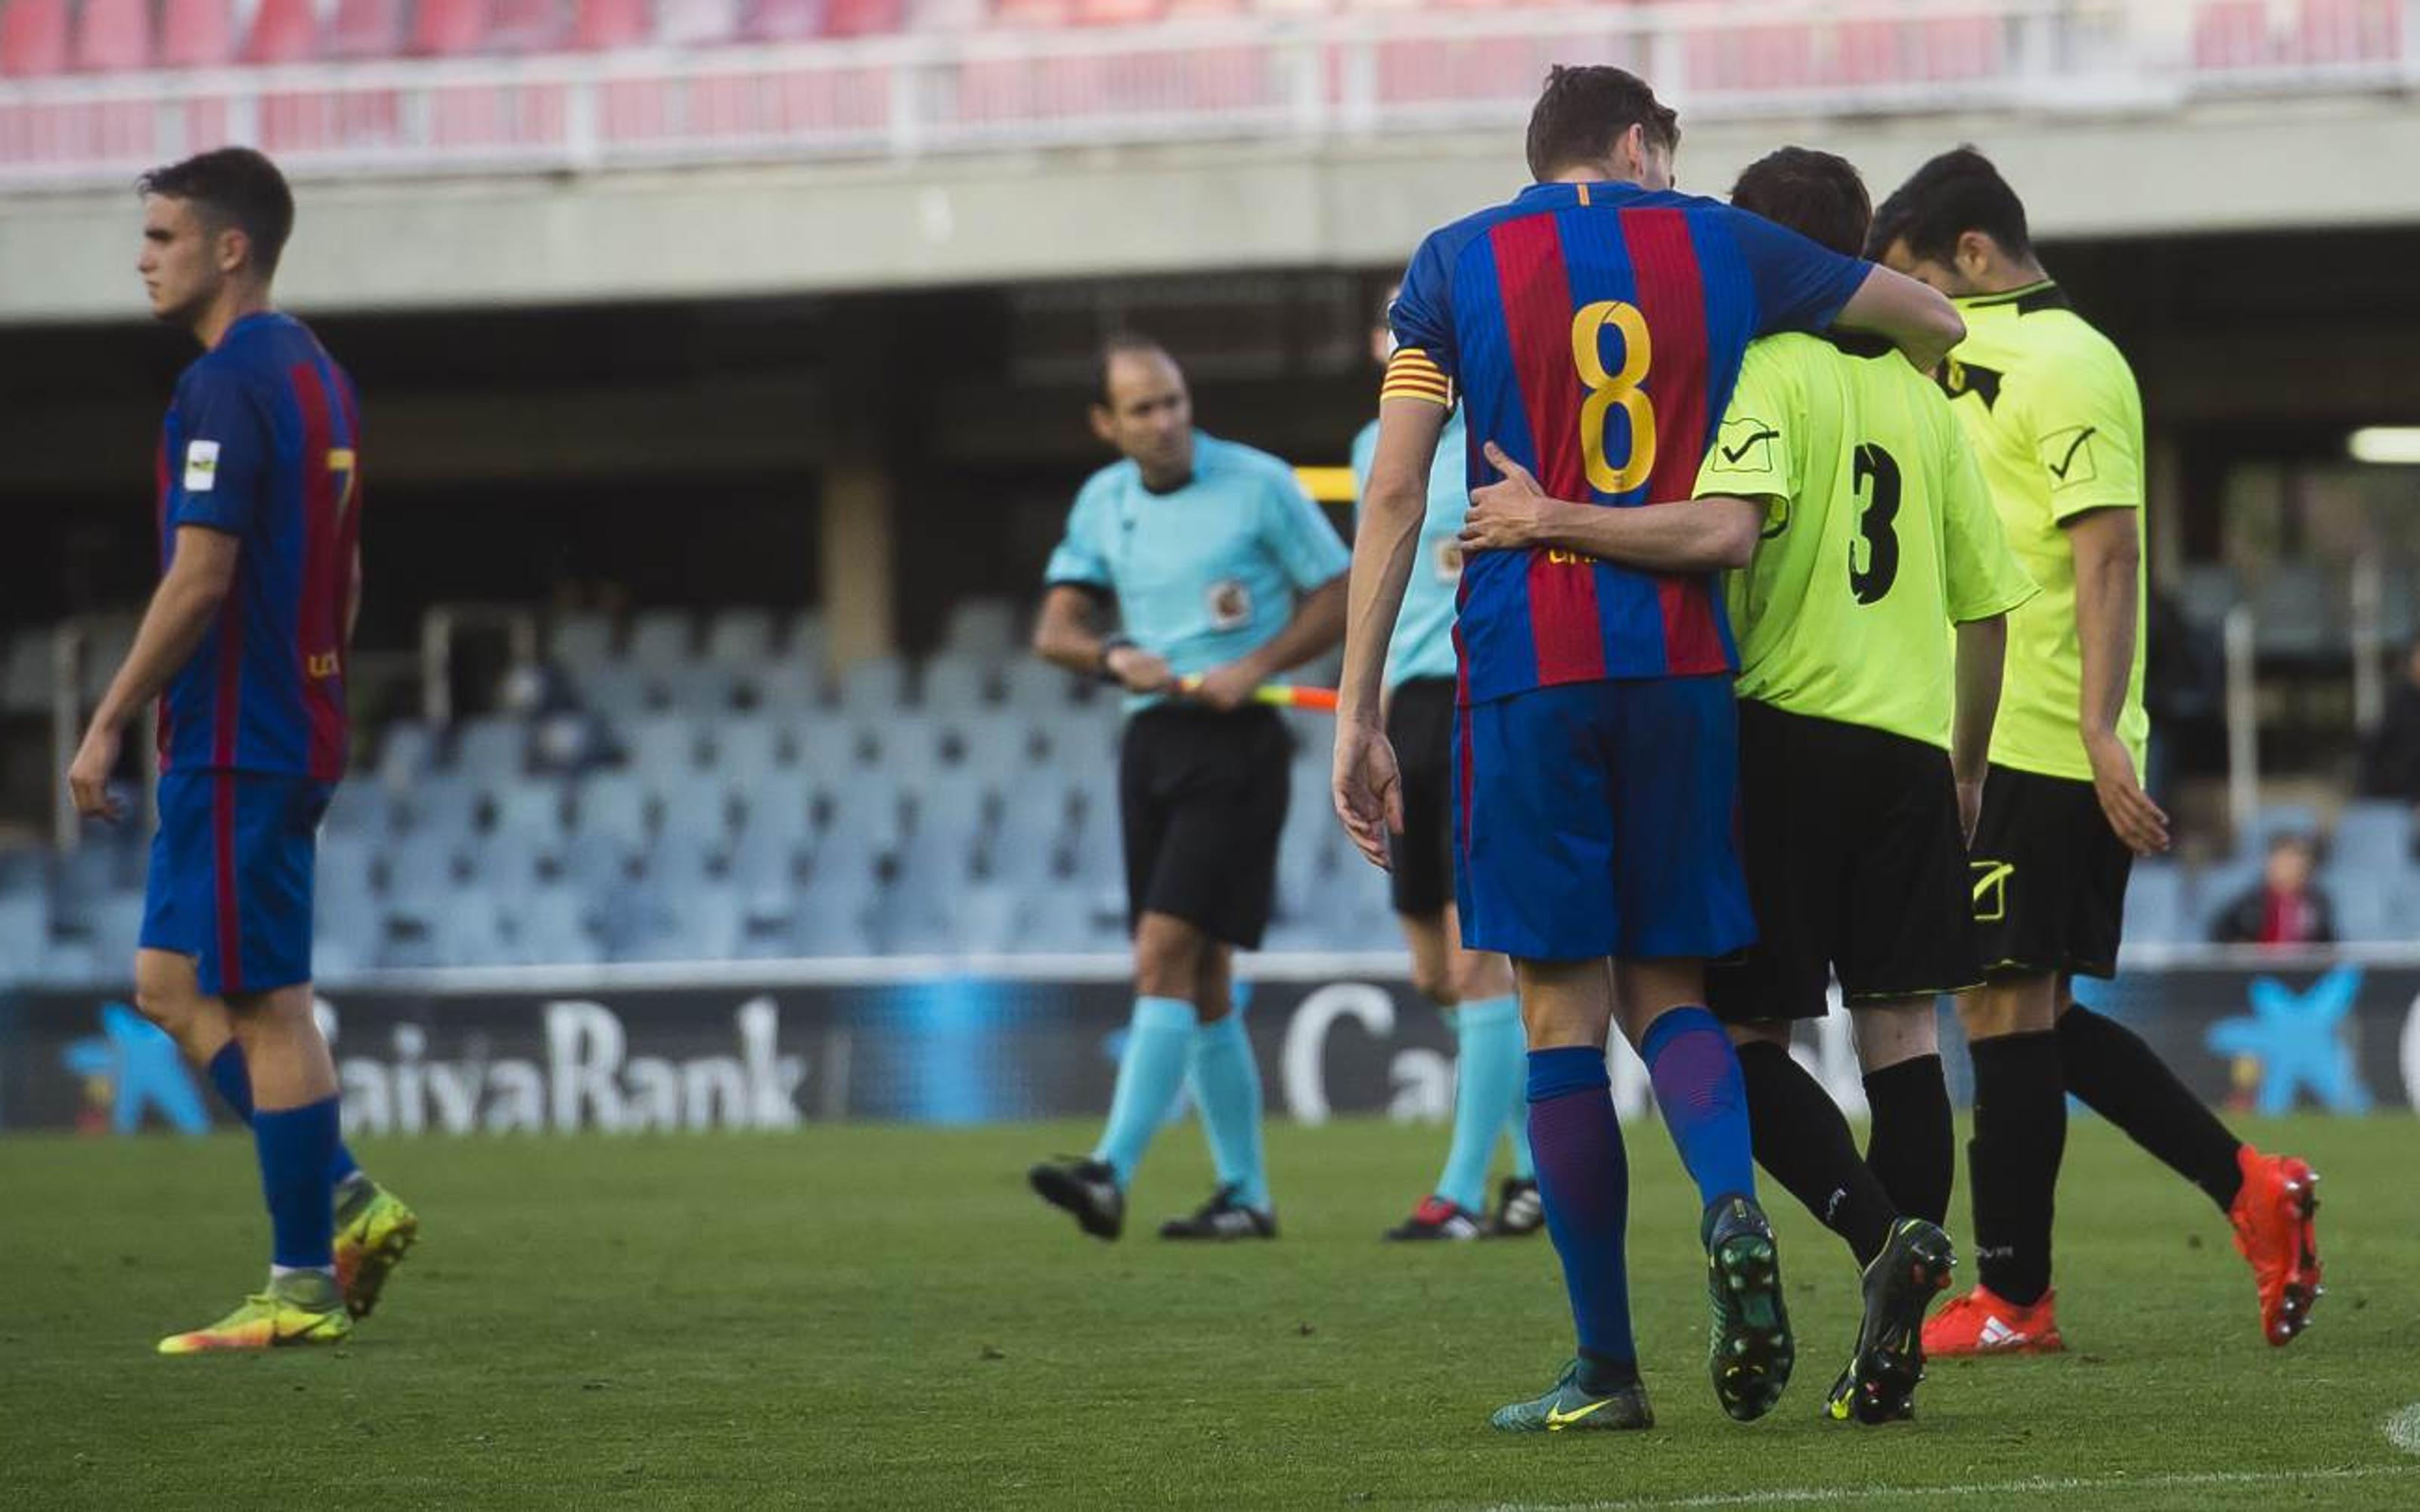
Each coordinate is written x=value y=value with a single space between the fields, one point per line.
x=1474 y=988
x=1218 y=567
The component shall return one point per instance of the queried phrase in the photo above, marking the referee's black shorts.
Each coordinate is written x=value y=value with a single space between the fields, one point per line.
x=1419 y=725
x=1202 y=796
x=2050 y=877
x=1855 y=868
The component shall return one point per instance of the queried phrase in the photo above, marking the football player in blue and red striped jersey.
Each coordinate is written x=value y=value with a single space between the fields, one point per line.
x=1592 y=329
x=244 y=647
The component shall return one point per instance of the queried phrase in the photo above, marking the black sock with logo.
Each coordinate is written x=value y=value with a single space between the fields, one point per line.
x=2012 y=1160
x=1913 y=1149
x=1804 y=1143
x=2124 y=1080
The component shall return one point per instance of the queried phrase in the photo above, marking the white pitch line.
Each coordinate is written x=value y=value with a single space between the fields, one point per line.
x=2403 y=1429
x=2031 y=1486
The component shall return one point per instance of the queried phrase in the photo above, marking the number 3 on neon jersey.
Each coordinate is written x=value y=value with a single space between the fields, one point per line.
x=1608 y=392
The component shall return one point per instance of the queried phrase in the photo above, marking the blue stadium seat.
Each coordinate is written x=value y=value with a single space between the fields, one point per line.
x=788 y=684
x=406 y=749
x=1003 y=745
x=708 y=691
x=956 y=687
x=865 y=822
x=361 y=809
x=1030 y=682
x=2373 y=836
x=2293 y=610
x=82 y=879
x=2276 y=820
x=877 y=685
x=618 y=690
x=445 y=804
x=990 y=920
x=740 y=636
x=743 y=749
x=2205 y=590
x=661 y=746
x=807 y=641
x=554 y=929
x=1058 y=921
x=116 y=930
x=780 y=803
x=1031 y=838
x=698 y=810
x=987 y=628
x=24 y=928
x=660 y=640
x=580 y=642
x=509 y=864
x=595 y=862
x=490 y=750
x=682 y=860
x=529 y=814
x=421 y=875
x=612 y=805
x=2156 y=905
x=834 y=914
x=765 y=868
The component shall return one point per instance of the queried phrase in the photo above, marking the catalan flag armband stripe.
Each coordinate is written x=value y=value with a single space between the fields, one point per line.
x=1410 y=375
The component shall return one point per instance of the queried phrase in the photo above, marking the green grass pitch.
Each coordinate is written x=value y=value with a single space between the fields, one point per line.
x=883 y=1317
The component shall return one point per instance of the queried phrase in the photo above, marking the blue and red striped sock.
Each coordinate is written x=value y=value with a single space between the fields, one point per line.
x=1703 y=1100
x=1584 y=1183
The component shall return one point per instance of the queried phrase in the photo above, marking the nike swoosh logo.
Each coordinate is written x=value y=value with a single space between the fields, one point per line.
x=1558 y=1418
x=2060 y=470
x=1734 y=453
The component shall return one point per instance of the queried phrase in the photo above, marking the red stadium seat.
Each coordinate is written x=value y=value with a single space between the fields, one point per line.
x=603 y=23
x=114 y=36
x=282 y=31
x=364 y=28
x=33 y=38
x=1118 y=12
x=864 y=17
x=781 y=21
x=448 y=28
x=197 y=34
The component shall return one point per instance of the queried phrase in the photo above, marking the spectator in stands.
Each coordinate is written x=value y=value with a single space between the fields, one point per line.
x=566 y=737
x=2390 y=761
x=2287 y=908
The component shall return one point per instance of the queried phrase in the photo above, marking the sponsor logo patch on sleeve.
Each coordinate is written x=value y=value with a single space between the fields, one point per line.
x=201 y=467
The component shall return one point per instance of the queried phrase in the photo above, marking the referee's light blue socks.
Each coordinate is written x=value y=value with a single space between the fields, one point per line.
x=1227 y=1083
x=1584 y=1184
x=228 y=1073
x=1704 y=1100
x=1149 y=1075
x=1488 y=1076
x=296 y=1146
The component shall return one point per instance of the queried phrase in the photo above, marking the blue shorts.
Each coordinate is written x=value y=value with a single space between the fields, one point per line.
x=232 y=869
x=1601 y=819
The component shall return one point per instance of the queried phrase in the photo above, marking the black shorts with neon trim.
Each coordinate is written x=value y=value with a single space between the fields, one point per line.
x=2050 y=877
x=1419 y=725
x=1855 y=869
x=1202 y=797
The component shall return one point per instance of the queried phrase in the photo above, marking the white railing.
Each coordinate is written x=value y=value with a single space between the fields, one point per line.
x=1309 y=81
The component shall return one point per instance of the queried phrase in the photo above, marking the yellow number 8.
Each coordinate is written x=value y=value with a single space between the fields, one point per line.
x=1608 y=392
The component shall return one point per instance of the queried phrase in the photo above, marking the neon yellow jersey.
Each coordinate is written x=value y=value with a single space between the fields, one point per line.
x=1878 y=536
x=2057 y=426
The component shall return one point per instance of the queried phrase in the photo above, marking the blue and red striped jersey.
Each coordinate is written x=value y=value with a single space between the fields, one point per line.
x=1594 y=333
x=262 y=441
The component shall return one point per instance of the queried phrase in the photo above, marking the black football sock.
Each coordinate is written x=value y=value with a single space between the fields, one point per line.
x=2124 y=1080
x=1803 y=1142
x=2012 y=1160
x=1913 y=1146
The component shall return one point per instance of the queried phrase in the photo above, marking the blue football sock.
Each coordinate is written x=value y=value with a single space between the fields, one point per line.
x=1703 y=1100
x=1149 y=1075
x=1227 y=1083
x=1584 y=1183
x=233 y=1079
x=296 y=1146
x=1487 y=1083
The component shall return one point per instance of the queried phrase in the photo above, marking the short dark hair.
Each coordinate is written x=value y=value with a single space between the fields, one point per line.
x=1817 y=194
x=1121 y=343
x=232 y=187
x=1584 y=108
x=1954 y=193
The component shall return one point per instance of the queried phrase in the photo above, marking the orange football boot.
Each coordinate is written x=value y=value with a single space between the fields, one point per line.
x=1984 y=1323
x=2274 y=1217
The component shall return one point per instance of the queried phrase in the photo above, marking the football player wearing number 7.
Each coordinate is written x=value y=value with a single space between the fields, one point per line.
x=1594 y=326
x=1860 y=766
x=244 y=645
x=2058 y=426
